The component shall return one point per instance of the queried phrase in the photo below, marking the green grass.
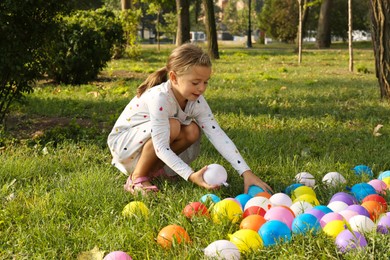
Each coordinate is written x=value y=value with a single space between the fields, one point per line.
x=61 y=197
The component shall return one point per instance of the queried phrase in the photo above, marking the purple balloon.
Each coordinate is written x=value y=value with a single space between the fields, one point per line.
x=384 y=224
x=359 y=209
x=344 y=197
x=346 y=240
x=316 y=213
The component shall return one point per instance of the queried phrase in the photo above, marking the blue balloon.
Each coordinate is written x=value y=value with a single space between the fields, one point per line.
x=253 y=190
x=383 y=175
x=243 y=199
x=362 y=190
x=363 y=169
x=274 y=232
x=291 y=188
x=305 y=223
x=323 y=208
x=207 y=198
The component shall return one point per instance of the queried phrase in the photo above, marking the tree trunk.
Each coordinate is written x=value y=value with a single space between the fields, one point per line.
x=211 y=29
x=380 y=33
x=350 y=39
x=183 y=22
x=323 y=30
x=249 y=35
x=126 y=4
x=300 y=32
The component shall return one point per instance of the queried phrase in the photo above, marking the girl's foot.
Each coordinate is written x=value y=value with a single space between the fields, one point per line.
x=140 y=184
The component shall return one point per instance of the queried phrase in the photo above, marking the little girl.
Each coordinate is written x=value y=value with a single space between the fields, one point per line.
x=160 y=129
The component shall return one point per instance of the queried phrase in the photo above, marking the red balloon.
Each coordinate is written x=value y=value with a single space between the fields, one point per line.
x=195 y=209
x=254 y=210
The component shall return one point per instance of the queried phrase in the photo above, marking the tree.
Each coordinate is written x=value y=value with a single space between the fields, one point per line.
x=211 y=29
x=155 y=8
x=279 y=19
x=26 y=30
x=183 y=22
x=233 y=20
x=380 y=32
x=300 y=32
x=249 y=34
x=350 y=35
x=324 y=29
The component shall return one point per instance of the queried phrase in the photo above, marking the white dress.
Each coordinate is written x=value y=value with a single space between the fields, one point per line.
x=148 y=117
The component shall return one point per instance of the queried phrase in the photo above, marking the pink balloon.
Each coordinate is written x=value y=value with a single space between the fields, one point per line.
x=117 y=255
x=347 y=214
x=379 y=185
x=330 y=217
x=280 y=213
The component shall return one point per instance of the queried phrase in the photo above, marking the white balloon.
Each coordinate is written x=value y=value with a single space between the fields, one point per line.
x=215 y=174
x=300 y=207
x=222 y=249
x=306 y=179
x=259 y=201
x=281 y=199
x=333 y=179
x=361 y=223
x=337 y=206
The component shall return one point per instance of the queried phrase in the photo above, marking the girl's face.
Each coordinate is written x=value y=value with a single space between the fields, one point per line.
x=190 y=85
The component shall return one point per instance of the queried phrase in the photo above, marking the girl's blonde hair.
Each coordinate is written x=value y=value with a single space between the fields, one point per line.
x=180 y=61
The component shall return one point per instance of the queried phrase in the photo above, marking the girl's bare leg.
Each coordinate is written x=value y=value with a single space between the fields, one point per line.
x=181 y=137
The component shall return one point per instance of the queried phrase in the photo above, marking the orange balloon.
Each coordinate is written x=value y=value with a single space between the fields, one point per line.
x=172 y=233
x=378 y=198
x=263 y=194
x=253 y=222
x=375 y=208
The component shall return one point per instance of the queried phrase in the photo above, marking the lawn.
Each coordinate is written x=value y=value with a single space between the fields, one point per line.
x=61 y=197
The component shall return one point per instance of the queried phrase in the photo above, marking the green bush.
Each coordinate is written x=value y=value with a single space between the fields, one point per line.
x=86 y=42
x=26 y=29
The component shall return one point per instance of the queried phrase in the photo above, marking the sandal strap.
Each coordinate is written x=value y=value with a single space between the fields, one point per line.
x=141 y=179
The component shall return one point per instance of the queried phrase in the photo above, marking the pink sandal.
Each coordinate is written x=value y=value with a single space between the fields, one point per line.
x=136 y=186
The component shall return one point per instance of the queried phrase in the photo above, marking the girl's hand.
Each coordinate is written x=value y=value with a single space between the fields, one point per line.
x=197 y=178
x=251 y=179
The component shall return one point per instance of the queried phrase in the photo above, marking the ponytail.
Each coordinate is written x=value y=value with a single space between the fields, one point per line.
x=154 y=79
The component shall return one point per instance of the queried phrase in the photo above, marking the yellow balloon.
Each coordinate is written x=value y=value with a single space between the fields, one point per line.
x=333 y=228
x=226 y=209
x=387 y=181
x=246 y=240
x=308 y=198
x=301 y=191
x=135 y=209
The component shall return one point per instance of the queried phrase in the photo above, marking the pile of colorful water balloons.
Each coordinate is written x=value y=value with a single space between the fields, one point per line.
x=270 y=219
x=267 y=219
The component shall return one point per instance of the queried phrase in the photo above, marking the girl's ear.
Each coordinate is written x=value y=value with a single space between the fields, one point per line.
x=172 y=77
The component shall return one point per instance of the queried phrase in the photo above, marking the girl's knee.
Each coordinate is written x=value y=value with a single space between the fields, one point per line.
x=175 y=128
x=192 y=132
